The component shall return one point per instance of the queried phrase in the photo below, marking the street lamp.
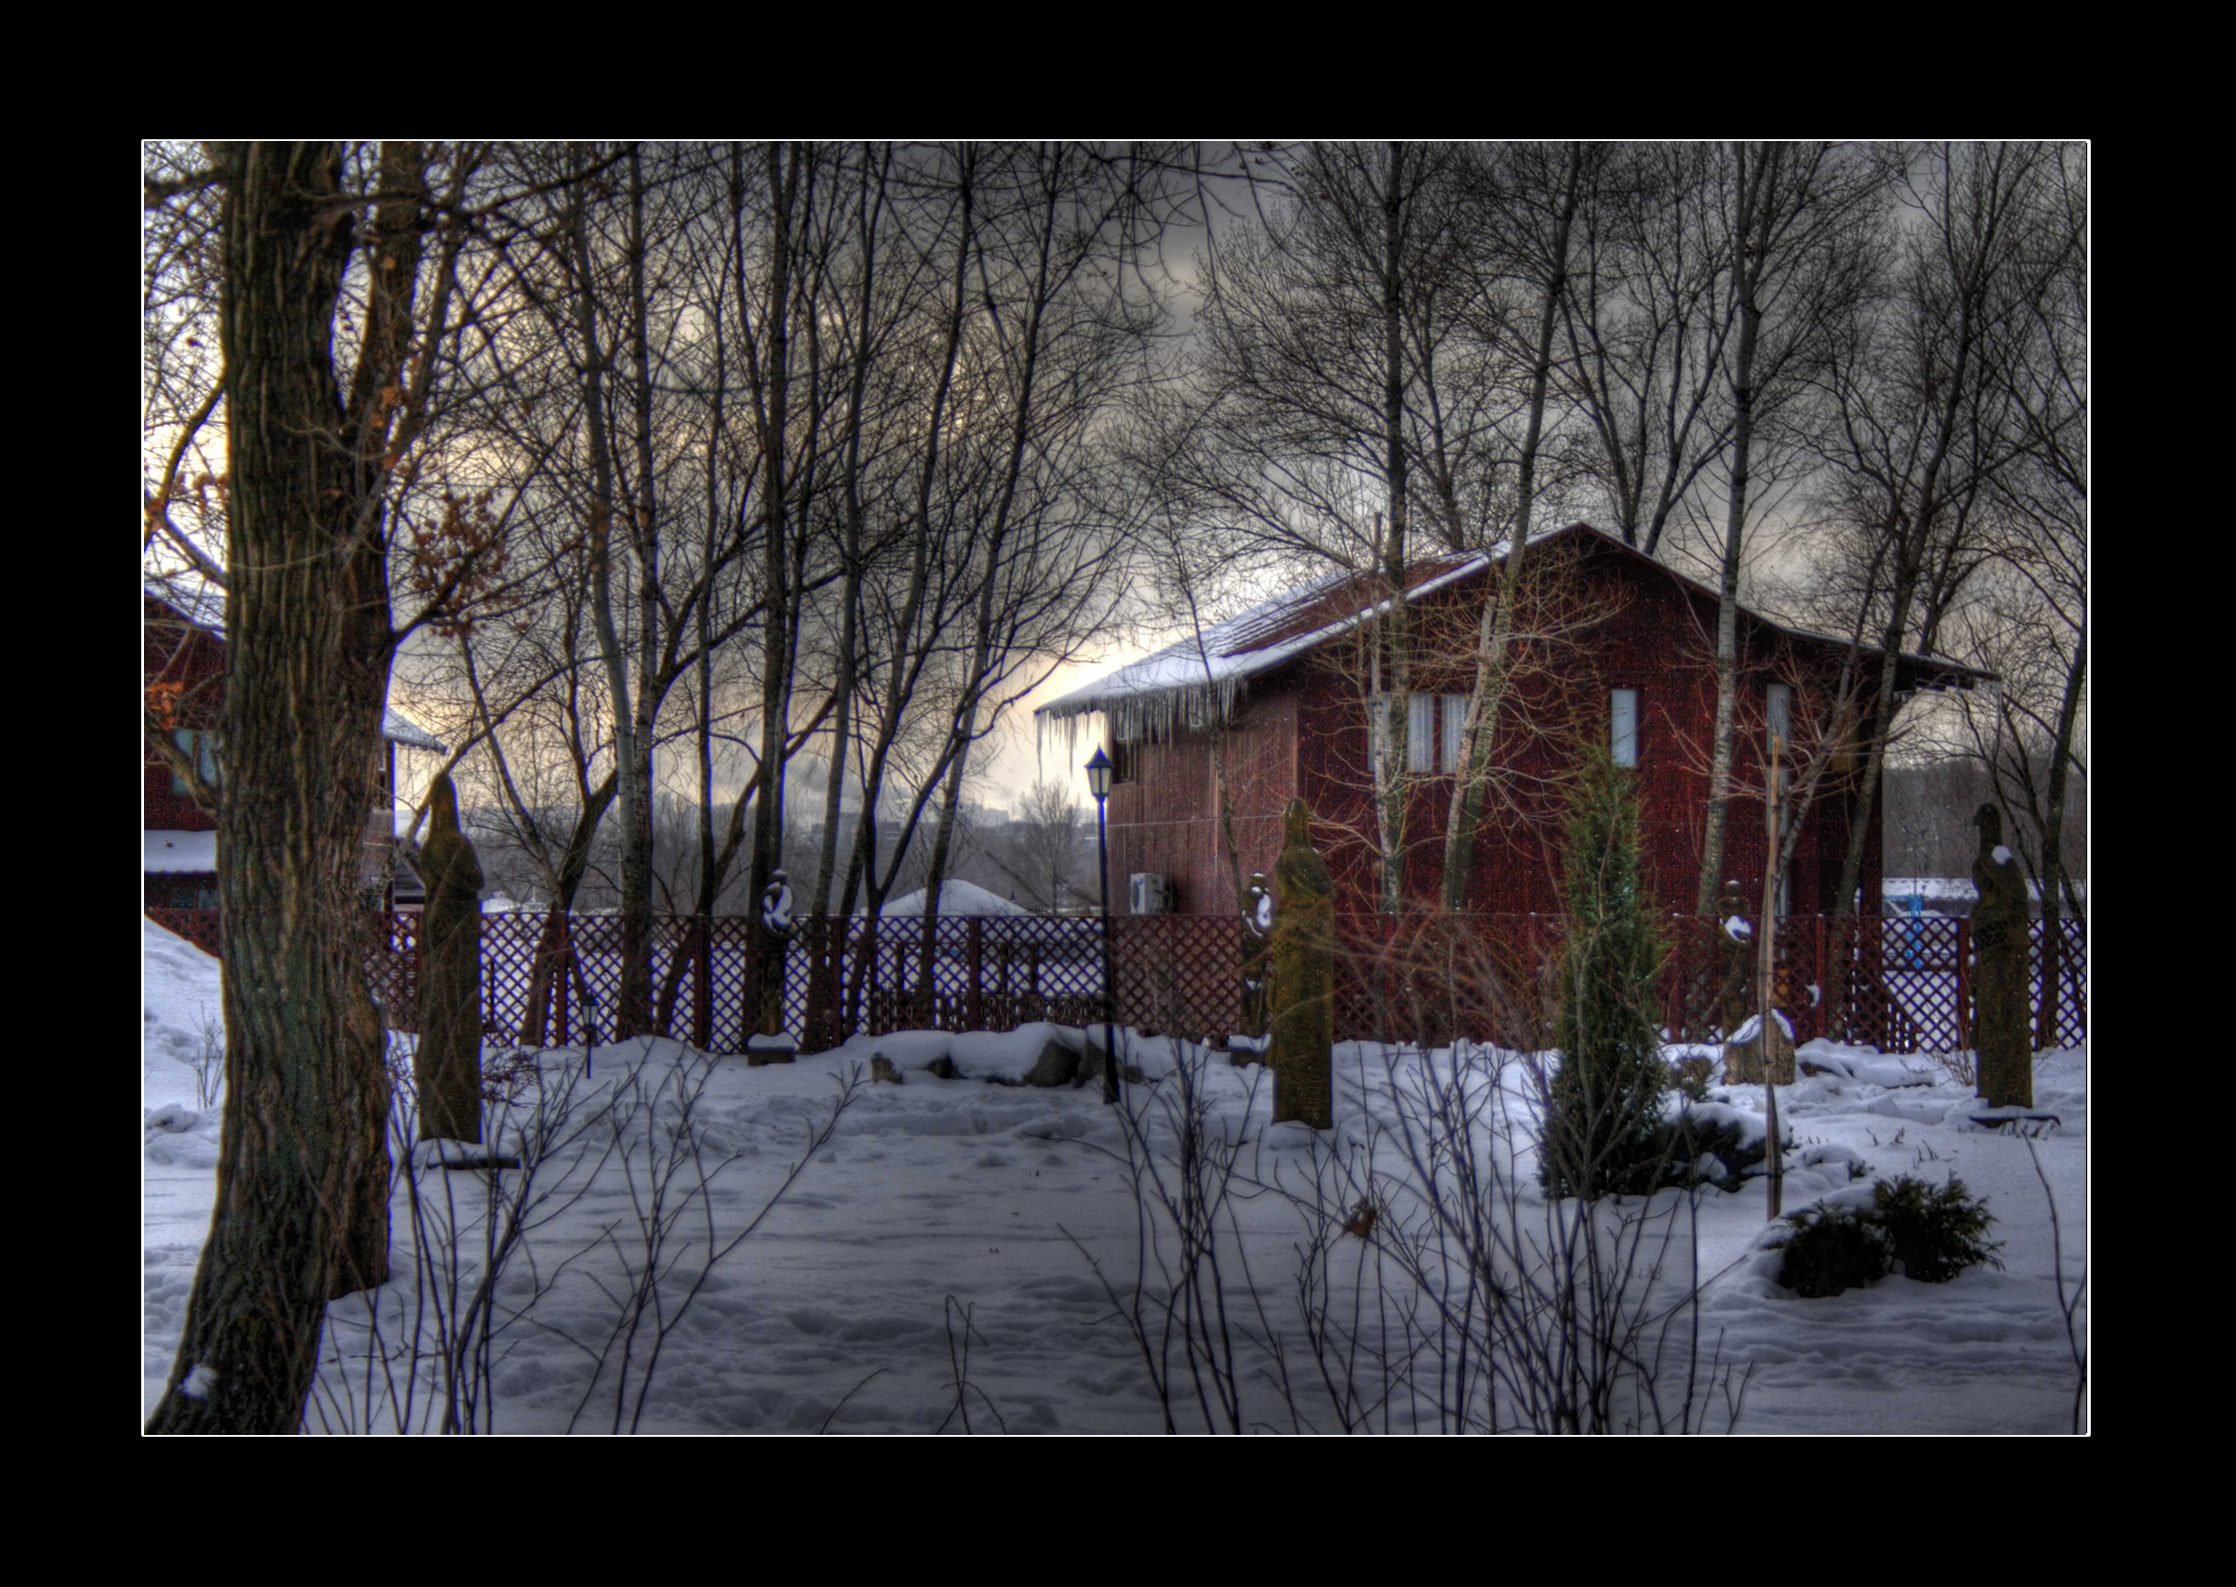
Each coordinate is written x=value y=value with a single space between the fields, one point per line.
x=1098 y=784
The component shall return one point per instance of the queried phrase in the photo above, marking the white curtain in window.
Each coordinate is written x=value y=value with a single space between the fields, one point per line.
x=1420 y=732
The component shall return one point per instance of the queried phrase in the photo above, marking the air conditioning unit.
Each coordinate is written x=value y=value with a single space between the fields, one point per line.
x=1151 y=894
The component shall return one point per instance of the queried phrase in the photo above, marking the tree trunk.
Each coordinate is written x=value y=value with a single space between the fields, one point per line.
x=772 y=413
x=1748 y=269
x=632 y=760
x=2053 y=854
x=634 y=1016
x=303 y=1171
x=1494 y=666
x=1392 y=713
x=552 y=950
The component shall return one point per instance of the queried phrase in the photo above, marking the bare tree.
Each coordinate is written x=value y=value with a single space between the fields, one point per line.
x=1921 y=388
x=1793 y=214
x=1342 y=382
x=1648 y=319
x=2035 y=622
x=1046 y=852
x=340 y=296
x=1538 y=196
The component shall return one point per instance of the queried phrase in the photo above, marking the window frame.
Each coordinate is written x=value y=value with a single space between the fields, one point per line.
x=1777 y=719
x=1420 y=734
x=199 y=745
x=1617 y=739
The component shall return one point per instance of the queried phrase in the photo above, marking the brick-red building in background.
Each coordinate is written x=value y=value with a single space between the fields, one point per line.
x=183 y=667
x=1619 y=650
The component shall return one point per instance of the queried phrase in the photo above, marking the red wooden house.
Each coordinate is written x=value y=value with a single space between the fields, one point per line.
x=1274 y=705
x=183 y=666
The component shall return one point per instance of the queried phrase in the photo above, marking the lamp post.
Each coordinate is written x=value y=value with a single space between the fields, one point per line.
x=1098 y=783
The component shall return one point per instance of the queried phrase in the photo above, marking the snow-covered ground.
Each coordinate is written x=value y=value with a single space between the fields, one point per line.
x=959 y=1249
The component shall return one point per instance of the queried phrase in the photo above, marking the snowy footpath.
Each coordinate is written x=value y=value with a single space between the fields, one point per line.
x=956 y=1252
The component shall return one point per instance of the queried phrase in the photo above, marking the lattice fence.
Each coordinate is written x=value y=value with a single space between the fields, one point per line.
x=1902 y=984
x=198 y=926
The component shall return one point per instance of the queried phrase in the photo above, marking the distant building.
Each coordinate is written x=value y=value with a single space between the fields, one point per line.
x=183 y=667
x=1624 y=657
x=955 y=899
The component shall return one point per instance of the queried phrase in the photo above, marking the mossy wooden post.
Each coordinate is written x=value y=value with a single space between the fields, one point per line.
x=1303 y=955
x=446 y=1065
x=2000 y=1034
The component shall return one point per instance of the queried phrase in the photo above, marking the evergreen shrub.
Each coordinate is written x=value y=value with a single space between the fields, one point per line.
x=1926 y=1232
x=1604 y=1132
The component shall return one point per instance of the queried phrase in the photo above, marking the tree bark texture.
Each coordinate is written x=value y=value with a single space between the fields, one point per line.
x=303 y=1173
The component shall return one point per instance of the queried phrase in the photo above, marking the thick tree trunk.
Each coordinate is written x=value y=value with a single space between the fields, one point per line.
x=303 y=1170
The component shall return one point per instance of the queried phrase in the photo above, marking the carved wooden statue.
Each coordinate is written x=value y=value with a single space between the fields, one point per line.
x=447 y=1062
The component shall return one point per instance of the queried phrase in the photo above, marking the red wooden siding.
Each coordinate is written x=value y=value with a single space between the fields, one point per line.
x=1166 y=819
x=1600 y=618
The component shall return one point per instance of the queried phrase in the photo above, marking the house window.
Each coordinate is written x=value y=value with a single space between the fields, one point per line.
x=1623 y=731
x=1420 y=733
x=1125 y=762
x=1455 y=729
x=201 y=748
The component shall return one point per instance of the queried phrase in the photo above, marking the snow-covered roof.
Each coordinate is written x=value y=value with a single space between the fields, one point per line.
x=202 y=604
x=1951 y=889
x=1182 y=681
x=1195 y=681
x=955 y=898
x=398 y=728
x=180 y=853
